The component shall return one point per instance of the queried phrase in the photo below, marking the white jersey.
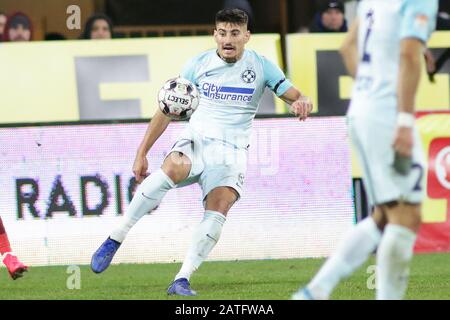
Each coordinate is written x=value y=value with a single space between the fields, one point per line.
x=382 y=25
x=230 y=93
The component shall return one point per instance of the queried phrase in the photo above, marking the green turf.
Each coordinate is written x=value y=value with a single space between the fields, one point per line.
x=254 y=280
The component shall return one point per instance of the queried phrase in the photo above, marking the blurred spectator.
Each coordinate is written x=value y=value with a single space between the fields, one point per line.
x=98 y=26
x=443 y=19
x=18 y=28
x=243 y=5
x=443 y=23
x=54 y=36
x=330 y=18
x=3 y=19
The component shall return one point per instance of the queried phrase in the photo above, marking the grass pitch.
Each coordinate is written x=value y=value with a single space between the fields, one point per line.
x=249 y=280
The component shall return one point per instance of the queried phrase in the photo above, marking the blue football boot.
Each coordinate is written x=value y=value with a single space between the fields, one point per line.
x=181 y=287
x=102 y=258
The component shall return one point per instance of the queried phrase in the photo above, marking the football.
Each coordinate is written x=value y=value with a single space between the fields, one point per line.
x=178 y=98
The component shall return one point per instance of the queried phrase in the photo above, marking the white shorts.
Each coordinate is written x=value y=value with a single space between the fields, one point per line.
x=215 y=163
x=373 y=140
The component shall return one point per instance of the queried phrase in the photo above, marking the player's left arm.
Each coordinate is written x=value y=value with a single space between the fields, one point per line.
x=275 y=79
x=299 y=104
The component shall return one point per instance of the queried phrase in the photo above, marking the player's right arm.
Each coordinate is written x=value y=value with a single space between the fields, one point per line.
x=349 y=49
x=157 y=126
x=155 y=129
x=275 y=79
x=419 y=18
x=408 y=80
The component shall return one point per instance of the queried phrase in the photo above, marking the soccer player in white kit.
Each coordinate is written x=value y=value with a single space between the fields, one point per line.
x=212 y=150
x=382 y=51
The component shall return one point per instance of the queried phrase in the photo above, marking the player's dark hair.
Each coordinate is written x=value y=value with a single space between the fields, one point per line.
x=233 y=16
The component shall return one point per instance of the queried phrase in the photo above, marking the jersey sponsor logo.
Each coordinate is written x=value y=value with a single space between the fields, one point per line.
x=248 y=76
x=421 y=22
x=215 y=92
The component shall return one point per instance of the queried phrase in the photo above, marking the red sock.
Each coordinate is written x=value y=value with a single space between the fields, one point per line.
x=4 y=241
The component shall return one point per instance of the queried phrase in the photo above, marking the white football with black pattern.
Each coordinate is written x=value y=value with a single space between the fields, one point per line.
x=178 y=98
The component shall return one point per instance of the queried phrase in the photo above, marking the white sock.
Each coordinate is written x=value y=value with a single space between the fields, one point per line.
x=147 y=196
x=204 y=239
x=393 y=259
x=352 y=252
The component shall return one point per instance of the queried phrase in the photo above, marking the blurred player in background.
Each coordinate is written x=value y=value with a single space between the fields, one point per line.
x=383 y=52
x=14 y=266
x=213 y=149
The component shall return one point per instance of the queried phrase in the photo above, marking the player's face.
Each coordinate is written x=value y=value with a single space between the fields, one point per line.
x=100 y=30
x=231 y=40
x=19 y=34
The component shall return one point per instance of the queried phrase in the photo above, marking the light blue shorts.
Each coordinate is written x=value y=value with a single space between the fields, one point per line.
x=373 y=141
x=215 y=163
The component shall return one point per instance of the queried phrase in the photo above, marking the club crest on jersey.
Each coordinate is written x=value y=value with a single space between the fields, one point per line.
x=248 y=76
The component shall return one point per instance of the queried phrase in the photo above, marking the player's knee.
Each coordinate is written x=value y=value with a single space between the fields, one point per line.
x=219 y=205
x=176 y=167
x=175 y=174
x=415 y=217
x=380 y=218
x=221 y=200
x=411 y=215
x=405 y=214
